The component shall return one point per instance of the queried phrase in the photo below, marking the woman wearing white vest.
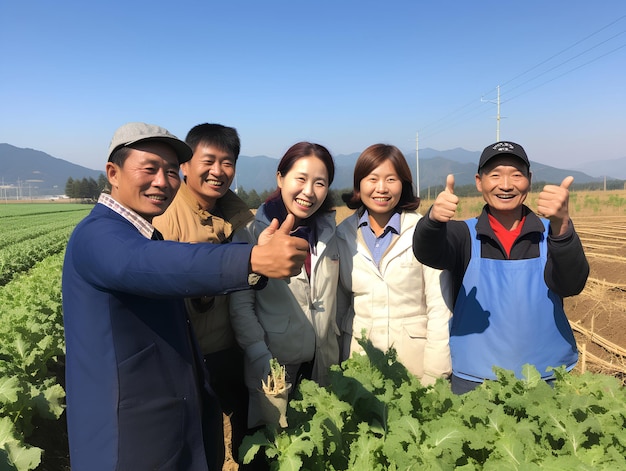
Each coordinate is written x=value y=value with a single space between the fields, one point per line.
x=384 y=291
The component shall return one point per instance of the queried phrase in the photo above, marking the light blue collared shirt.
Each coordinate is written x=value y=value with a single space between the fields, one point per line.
x=378 y=245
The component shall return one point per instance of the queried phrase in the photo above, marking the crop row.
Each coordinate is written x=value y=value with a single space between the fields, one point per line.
x=42 y=209
x=32 y=227
x=20 y=257
x=32 y=244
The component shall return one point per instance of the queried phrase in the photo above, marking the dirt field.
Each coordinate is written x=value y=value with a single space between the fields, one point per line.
x=601 y=307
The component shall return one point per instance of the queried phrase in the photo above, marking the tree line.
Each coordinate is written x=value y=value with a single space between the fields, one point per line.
x=90 y=189
x=85 y=188
x=254 y=199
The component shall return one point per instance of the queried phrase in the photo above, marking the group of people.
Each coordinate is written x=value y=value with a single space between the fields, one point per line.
x=176 y=296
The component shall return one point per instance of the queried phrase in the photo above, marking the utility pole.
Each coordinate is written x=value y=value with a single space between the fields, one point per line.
x=498 y=118
x=497 y=102
x=417 y=165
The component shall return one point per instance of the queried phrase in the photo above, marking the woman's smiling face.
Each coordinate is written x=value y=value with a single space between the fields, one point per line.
x=381 y=189
x=304 y=187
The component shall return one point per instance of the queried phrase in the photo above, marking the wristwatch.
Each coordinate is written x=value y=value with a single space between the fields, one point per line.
x=256 y=281
x=253 y=279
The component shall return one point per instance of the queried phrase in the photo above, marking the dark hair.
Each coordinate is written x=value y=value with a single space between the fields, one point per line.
x=222 y=137
x=371 y=158
x=119 y=156
x=301 y=150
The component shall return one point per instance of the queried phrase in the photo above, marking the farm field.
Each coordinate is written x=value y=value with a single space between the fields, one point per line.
x=598 y=314
x=31 y=337
x=32 y=345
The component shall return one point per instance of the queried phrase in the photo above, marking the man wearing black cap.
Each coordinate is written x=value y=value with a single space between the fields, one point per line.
x=511 y=270
x=138 y=395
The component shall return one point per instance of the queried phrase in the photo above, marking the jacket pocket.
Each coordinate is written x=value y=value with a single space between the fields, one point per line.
x=151 y=418
x=142 y=376
x=416 y=327
x=411 y=344
x=151 y=434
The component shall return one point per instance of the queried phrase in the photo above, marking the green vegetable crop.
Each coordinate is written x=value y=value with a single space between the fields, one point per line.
x=375 y=415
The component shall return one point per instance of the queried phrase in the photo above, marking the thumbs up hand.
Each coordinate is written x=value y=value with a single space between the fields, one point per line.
x=552 y=203
x=278 y=255
x=446 y=203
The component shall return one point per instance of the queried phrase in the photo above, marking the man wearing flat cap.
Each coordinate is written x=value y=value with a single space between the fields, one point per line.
x=138 y=394
x=511 y=271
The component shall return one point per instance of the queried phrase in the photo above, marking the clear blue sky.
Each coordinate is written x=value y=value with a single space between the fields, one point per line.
x=344 y=73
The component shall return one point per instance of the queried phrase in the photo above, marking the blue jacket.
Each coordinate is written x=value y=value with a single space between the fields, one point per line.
x=138 y=396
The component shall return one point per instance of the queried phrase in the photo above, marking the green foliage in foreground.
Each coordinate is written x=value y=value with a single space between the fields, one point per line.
x=376 y=416
x=31 y=340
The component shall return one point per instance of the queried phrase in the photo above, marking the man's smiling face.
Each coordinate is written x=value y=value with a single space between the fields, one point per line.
x=504 y=183
x=148 y=179
x=209 y=174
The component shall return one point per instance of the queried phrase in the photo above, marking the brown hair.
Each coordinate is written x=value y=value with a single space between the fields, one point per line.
x=368 y=161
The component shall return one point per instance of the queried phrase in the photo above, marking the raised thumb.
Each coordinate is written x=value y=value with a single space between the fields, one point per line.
x=567 y=181
x=450 y=183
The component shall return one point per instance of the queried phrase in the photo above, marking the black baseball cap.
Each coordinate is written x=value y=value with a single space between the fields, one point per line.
x=503 y=148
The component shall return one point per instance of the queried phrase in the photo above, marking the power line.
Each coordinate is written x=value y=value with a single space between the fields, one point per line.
x=565 y=50
x=568 y=72
x=452 y=119
x=571 y=59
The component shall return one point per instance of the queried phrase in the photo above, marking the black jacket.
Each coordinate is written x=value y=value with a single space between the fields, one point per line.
x=448 y=246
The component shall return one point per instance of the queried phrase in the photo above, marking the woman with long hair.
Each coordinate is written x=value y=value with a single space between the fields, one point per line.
x=293 y=320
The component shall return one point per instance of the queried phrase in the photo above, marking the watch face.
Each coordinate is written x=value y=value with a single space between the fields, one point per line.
x=253 y=279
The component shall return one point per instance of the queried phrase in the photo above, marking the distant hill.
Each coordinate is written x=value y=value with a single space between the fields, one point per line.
x=37 y=173
x=615 y=169
x=259 y=172
x=41 y=174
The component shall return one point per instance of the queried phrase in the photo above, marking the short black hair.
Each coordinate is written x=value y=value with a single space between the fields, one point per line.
x=222 y=137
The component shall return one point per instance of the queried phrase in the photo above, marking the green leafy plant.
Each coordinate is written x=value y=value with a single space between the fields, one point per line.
x=31 y=345
x=375 y=415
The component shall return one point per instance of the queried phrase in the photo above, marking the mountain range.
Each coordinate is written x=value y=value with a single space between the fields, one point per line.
x=259 y=172
x=36 y=174
x=33 y=173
